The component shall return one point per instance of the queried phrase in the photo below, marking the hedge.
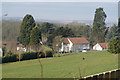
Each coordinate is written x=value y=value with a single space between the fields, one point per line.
x=9 y=58
x=25 y=56
x=29 y=55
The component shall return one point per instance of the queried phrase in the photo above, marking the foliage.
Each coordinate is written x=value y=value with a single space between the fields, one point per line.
x=35 y=37
x=118 y=29
x=27 y=24
x=57 y=43
x=99 y=26
x=47 y=28
x=10 y=29
x=9 y=58
x=29 y=55
x=4 y=51
x=112 y=33
x=46 y=51
x=9 y=53
x=64 y=31
x=80 y=29
x=114 y=46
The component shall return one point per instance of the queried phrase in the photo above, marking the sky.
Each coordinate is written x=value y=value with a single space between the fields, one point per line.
x=59 y=0
x=60 y=10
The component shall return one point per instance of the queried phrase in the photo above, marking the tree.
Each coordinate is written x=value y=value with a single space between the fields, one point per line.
x=57 y=42
x=47 y=28
x=112 y=33
x=118 y=29
x=35 y=37
x=27 y=24
x=99 y=26
x=64 y=31
x=114 y=46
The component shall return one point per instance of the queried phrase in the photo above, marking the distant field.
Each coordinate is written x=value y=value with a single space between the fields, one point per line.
x=66 y=66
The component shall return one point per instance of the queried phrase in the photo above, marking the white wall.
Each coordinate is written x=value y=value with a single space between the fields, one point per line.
x=73 y=47
x=70 y=45
x=0 y=52
x=97 y=47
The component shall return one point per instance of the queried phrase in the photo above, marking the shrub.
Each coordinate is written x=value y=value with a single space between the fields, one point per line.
x=9 y=53
x=25 y=56
x=49 y=54
x=46 y=51
x=9 y=58
x=114 y=46
x=29 y=55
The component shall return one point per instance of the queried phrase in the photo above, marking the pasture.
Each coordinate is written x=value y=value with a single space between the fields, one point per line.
x=68 y=65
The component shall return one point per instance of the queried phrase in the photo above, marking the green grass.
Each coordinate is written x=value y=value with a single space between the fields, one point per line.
x=66 y=66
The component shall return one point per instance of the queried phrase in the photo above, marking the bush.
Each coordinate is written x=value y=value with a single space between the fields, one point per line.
x=29 y=55
x=9 y=58
x=9 y=53
x=114 y=46
x=25 y=56
x=49 y=54
x=46 y=51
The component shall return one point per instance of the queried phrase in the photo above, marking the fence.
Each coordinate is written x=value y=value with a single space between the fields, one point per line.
x=109 y=75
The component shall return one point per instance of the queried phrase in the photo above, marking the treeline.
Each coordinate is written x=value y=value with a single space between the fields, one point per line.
x=10 y=29
x=98 y=32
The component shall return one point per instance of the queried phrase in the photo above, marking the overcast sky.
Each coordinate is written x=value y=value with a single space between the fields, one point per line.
x=59 y=0
x=60 y=10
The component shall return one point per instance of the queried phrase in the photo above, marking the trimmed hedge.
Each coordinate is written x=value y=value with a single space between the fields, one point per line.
x=49 y=54
x=9 y=58
x=29 y=55
x=25 y=56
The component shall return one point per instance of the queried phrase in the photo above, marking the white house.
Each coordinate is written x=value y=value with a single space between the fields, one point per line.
x=20 y=47
x=100 y=46
x=0 y=52
x=75 y=44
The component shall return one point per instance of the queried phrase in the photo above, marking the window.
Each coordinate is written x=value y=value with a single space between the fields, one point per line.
x=81 y=41
x=105 y=45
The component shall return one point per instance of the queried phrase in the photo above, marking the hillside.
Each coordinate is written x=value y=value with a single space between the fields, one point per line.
x=66 y=66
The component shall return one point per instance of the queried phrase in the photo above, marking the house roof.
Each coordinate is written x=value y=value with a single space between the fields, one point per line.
x=103 y=45
x=20 y=45
x=76 y=40
x=65 y=41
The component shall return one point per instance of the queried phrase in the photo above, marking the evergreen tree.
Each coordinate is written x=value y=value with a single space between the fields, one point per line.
x=27 y=24
x=35 y=37
x=118 y=29
x=112 y=33
x=114 y=45
x=99 y=26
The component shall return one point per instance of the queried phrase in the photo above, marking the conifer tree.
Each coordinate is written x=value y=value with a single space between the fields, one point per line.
x=35 y=37
x=27 y=24
x=99 y=26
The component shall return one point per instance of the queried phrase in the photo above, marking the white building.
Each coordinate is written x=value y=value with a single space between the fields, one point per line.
x=76 y=44
x=0 y=52
x=20 y=47
x=100 y=46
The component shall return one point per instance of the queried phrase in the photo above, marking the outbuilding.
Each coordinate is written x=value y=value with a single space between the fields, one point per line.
x=100 y=46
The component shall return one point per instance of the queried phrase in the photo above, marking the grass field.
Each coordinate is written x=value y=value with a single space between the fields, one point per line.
x=66 y=66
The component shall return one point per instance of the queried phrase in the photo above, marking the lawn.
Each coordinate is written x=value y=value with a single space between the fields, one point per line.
x=66 y=66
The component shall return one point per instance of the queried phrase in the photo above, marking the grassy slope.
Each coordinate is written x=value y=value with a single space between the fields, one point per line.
x=66 y=66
